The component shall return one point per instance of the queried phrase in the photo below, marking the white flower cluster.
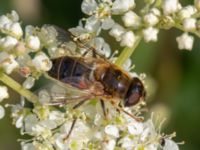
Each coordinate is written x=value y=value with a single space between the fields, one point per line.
x=29 y=53
x=16 y=48
x=49 y=126
x=155 y=16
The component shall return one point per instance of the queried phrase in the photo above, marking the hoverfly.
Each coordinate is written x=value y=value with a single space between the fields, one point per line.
x=96 y=76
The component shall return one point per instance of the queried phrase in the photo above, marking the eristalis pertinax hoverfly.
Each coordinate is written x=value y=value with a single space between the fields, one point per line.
x=95 y=75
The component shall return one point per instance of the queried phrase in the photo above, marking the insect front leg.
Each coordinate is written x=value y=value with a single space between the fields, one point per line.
x=119 y=108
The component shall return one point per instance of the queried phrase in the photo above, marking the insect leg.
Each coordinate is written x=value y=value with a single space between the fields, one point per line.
x=71 y=128
x=122 y=110
x=129 y=114
x=79 y=104
x=104 y=109
x=74 y=121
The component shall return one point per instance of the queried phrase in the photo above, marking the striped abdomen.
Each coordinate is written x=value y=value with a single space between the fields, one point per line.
x=70 y=70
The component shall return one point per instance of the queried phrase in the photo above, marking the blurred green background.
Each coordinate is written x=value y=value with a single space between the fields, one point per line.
x=173 y=75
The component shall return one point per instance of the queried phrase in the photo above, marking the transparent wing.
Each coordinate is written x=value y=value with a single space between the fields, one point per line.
x=57 y=94
x=60 y=34
x=64 y=37
x=55 y=37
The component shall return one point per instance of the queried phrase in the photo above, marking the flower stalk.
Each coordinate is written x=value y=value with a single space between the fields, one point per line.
x=18 y=88
x=127 y=52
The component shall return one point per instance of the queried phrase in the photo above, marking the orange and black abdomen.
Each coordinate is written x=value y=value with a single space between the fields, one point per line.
x=71 y=71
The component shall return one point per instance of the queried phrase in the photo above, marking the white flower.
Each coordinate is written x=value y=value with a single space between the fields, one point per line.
x=156 y=12
x=29 y=82
x=187 y=12
x=128 y=39
x=101 y=46
x=127 y=143
x=7 y=43
x=14 y=16
x=131 y=19
x=19 y=121
x=151 y=19
x=151 y=146
x=148 y=130
x=107 y=23
x=197 y=4
x=117 y=31
x=185 y=41
x=110 y=145
x=169 y=6
x=92 y=24
x=33 y=43
x=4 y=20
x=60 y=143
x=56 y=116
x=189 y=24
x=42 y=62
x=39 y=129
x=14 y=29
x=2 y=112
x=112 y=130
x=28 y=146
x=3 y=93
x=88 y=6
x=8 y=62
x=121 y=6
x=150 y=34
x=170 y=145
x=30 y=121
x=135 y=128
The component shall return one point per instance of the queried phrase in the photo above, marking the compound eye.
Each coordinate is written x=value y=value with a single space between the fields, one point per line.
x=135 y=93
x=132 y=99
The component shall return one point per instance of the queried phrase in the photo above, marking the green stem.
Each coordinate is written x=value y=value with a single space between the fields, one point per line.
x=18 y=88
x=127 y=52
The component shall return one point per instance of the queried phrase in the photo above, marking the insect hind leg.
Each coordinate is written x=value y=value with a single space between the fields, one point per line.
x=105 y=113
x=71 y=129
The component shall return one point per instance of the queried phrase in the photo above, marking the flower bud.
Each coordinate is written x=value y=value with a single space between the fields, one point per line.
x=185 y=41
x=131 y=19
x=42 y=62
x=189 y=24
x=33 y=43
x=128 y=39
